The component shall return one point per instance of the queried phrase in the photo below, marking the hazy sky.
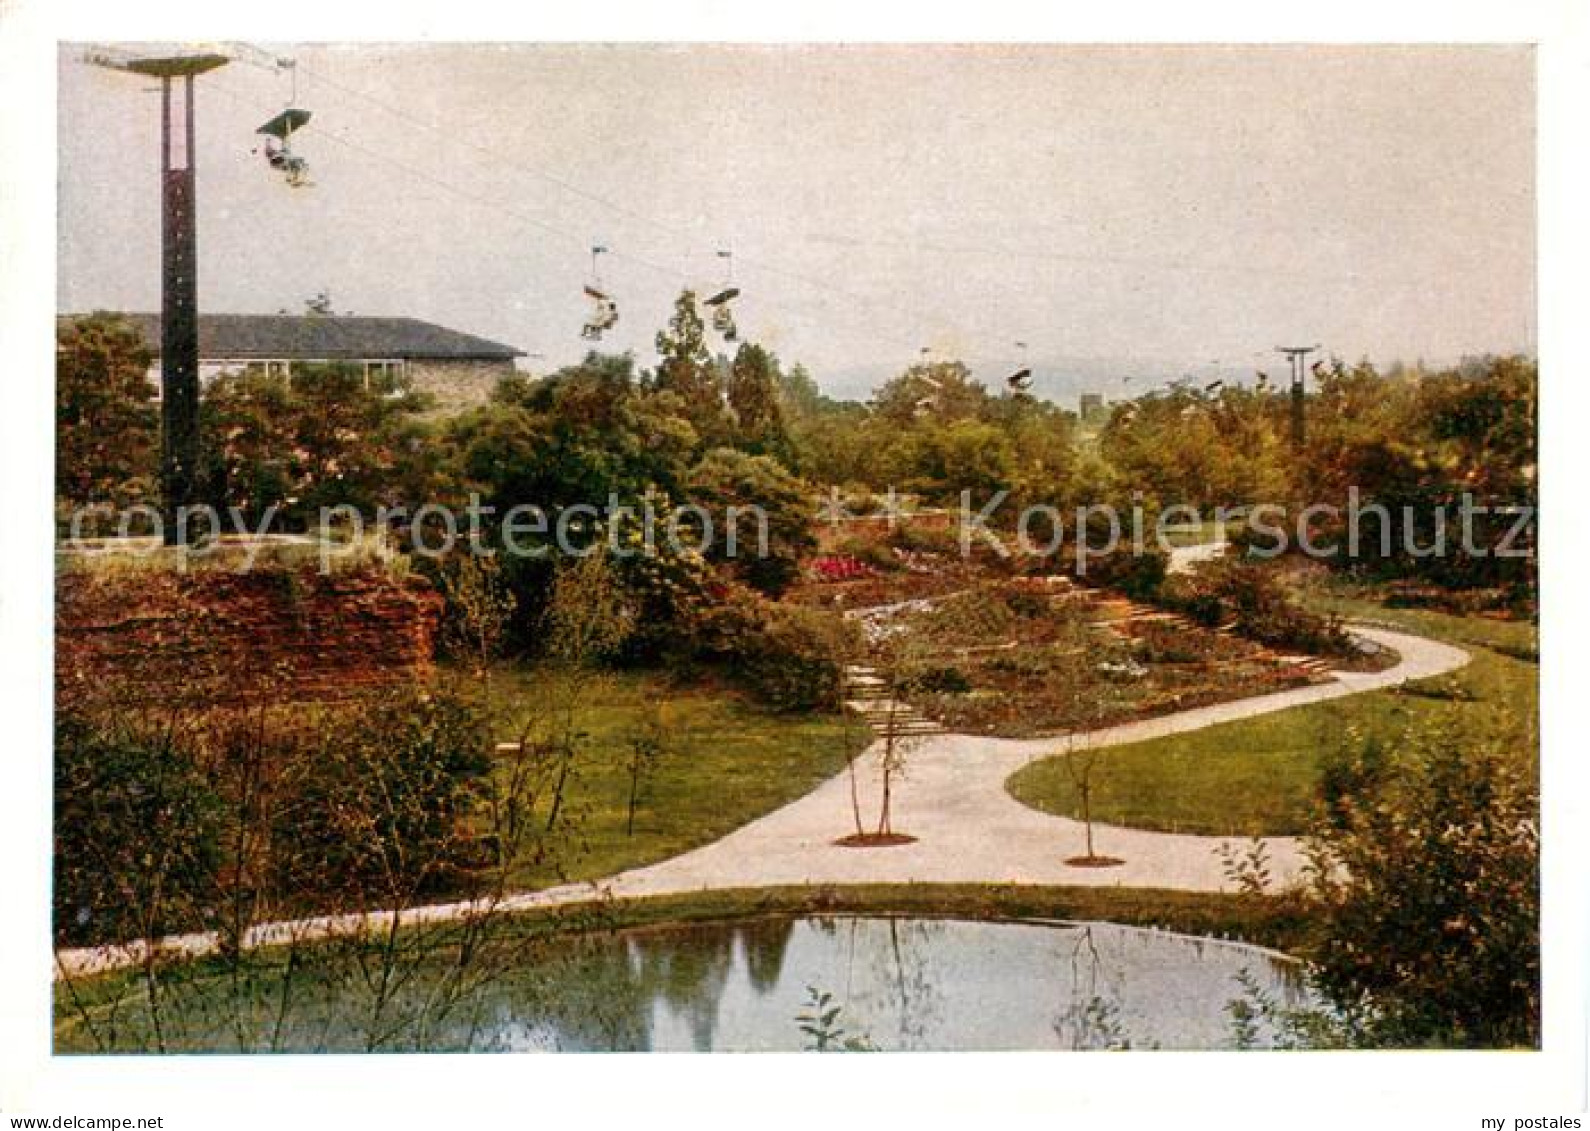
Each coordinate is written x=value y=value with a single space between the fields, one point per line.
x=1159 y=207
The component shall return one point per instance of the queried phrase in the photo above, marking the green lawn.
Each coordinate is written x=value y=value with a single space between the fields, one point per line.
x=726 y=761
x=1195 y=535
x=1260 y=775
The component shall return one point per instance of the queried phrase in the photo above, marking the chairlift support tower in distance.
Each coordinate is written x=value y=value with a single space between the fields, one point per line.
x=1295 y=356
x=180 y=453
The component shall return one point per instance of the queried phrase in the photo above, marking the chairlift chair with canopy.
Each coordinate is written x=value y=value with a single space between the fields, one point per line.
x=604 y=310
x=279 y=153
x=719 y=303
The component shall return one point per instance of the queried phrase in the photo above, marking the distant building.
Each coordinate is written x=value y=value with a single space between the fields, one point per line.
x=396 y=354
x=1092 y=408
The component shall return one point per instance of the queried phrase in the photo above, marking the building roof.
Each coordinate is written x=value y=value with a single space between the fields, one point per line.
x=326 y=337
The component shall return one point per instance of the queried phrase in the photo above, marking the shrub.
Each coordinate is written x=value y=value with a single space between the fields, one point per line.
x=1027 y=604
x=1426 y=893
x=1229 y=589
x=974 y=616
x=137 y=834
x=381 y=807
x=869 y=552
x=767 y=552
x=1138 y=575
x=789 y=656
x=208 y=821
x=938 y=681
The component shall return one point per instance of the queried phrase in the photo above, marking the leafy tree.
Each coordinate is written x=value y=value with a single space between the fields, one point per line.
x=107 y=424
x=1416 y=446
x=753 y=394
x=799 y=395
x=764 y=497
x=945 y=390
x=686 y=369
x=321 y=439
x=576 y=437
x=1187 y=446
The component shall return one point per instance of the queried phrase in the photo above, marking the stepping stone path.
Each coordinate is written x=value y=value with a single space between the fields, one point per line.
x=1113 y=615
x=866 y=694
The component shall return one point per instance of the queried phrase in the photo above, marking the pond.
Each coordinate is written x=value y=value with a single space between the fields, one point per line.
x=898 y=984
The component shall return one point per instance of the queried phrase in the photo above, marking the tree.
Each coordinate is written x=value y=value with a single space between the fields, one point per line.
x=319 y=439
x=799 y=395
x=945 y=390
x=478 y=607
x=764 y=499
x=107 y=423
x=753 y=394
x=1081 y=760
x=686 y=370
x=587 y=621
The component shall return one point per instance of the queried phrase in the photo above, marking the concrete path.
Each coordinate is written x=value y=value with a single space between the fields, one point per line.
x=951 y=796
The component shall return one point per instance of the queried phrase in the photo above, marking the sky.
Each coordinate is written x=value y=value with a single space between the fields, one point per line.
x=1120 y=211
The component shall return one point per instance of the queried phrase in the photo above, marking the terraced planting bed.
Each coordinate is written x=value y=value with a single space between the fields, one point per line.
x=1027 y=657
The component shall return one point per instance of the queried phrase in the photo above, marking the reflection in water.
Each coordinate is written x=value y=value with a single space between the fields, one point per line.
x=903 y=984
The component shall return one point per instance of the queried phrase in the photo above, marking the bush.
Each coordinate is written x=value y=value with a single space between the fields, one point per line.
x=791 y=657
x=869 y=552
x=1251 y=595
x=381 y=807
x=211 y=820
x=1426 y=892
x=938 y=681
x=137 y=834
x=1138 y=575
x=768 y=551
x=1026 y=604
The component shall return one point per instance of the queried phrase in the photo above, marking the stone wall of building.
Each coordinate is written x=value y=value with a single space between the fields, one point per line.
x=456 y=385
x=215 y=636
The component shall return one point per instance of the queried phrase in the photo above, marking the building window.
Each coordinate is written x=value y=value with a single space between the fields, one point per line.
x=283 y=370
x=387 y=377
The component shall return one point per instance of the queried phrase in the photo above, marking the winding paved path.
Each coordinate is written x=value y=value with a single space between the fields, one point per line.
x=952 y=797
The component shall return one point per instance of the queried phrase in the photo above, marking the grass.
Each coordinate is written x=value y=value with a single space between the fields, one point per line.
x=1261 y=775
x=111 y=558
x=726 y=761
x=1196 y=534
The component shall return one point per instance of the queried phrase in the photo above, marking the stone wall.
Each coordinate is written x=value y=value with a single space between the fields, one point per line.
x=214 y=636
x=456 y=385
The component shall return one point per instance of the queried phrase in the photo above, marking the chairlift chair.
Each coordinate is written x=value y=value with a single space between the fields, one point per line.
x=278 y=145
x=604 y=310
x=604 y=314
x=723 y=314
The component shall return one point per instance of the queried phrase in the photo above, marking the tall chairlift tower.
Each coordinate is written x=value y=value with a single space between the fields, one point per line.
x=180 y=454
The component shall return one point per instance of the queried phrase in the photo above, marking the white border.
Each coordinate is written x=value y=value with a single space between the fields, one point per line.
x=1434 y=1089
